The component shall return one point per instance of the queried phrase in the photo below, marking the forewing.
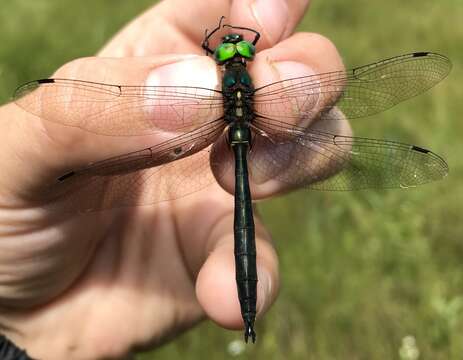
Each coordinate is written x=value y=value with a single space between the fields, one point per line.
x=358 y=92
x=119 y=109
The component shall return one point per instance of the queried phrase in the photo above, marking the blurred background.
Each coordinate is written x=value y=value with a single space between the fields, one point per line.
x=365 y=275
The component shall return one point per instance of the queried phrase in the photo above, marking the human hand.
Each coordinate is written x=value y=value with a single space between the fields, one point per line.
x=102 y=284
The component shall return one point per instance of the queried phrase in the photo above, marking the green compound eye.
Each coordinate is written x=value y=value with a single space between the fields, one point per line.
x=225 y=52
x=246 y=49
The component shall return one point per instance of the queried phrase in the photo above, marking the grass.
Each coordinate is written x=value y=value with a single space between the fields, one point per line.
x=360 y=271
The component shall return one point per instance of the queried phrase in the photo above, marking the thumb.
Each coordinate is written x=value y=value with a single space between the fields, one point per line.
x=216 y=282
x=35 y=147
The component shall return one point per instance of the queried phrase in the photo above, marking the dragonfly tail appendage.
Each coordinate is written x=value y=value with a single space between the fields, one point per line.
x=249 y=330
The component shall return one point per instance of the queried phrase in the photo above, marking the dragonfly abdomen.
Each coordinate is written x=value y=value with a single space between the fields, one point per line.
x=245 y=246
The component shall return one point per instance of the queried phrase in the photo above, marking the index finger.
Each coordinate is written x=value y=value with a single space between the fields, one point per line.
x=177 y=26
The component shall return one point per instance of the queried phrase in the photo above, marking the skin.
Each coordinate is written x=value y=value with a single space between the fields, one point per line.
x=103 y=285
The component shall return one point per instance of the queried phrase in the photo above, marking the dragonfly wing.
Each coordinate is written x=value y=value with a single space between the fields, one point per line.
x=170 y=170
x=119 y=109
x=324 y=161
x=358 y=92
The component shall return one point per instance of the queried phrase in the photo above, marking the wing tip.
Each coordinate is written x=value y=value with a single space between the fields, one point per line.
x=435 y=159
x=30 y=86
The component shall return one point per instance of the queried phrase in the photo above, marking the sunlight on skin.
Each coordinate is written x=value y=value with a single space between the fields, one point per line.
x=144 y=274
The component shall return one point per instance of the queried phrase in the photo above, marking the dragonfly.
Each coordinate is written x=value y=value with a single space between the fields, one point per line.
x=257 y=127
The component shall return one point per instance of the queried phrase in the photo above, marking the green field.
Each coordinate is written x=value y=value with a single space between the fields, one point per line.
x=362 y=272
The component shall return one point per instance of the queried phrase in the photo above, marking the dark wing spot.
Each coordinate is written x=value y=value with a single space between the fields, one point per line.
x=67 y=175
x=45 y=81
x=419 y=54
x=417 y=148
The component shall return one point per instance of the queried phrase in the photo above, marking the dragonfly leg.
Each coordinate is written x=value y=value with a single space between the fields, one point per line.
x=205 y=43
x=256 y=33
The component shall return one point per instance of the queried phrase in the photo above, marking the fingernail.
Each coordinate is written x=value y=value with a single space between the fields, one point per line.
x=271 y=15
x=193 y=71
x=292 y=69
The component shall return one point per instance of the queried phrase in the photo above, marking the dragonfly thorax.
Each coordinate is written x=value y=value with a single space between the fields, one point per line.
x=238 y=90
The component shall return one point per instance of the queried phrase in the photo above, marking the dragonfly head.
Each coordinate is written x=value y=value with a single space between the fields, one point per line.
x=233 y=46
